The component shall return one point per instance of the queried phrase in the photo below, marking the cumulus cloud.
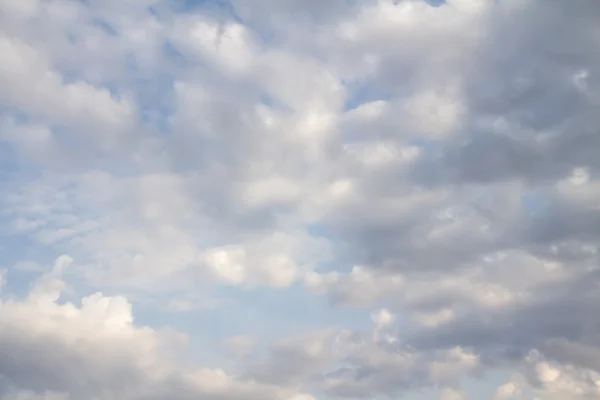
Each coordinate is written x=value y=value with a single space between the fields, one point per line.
x=54 y=349
x=428 y=168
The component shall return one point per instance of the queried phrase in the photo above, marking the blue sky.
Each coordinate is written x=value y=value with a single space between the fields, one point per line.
x=299 y=200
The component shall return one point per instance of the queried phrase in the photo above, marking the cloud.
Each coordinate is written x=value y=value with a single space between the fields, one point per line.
x=32 y=85
x=451 y=394
x=419 y=178
x=101 y=352
x=539 y=378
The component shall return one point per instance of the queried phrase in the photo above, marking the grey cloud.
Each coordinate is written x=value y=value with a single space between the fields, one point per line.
x=296 y=360
x=557 y=317
x=94 y=351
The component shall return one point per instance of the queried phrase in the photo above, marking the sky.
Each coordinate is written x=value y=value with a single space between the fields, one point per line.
x=299 y=200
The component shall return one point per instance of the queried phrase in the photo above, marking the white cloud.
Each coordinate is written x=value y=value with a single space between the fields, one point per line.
x=32 y=85
x=229 y=45
x=507 y=391
x=102 y=352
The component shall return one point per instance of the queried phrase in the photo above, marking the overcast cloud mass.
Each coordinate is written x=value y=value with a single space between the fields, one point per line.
x=299 y=199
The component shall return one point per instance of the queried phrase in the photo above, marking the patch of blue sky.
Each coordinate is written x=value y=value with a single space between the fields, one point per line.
x=22 y=258
x=9 y=159
x=171 y=53
x=342 y=254
x=436 y=3
x=363 y=93
x=19 y=279
x=222 y=7
x=105 y=27
x=153 y=98
x=272 y=102
x=206 y=327
x=265 y=314
x=535 y=203
x=14 y=114
x=292 y=310
x=427 y=145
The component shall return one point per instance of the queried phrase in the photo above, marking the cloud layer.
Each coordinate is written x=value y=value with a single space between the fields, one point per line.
x=384 y=198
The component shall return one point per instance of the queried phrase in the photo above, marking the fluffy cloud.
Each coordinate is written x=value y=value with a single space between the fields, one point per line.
x=54 y=350
x=434 y=161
